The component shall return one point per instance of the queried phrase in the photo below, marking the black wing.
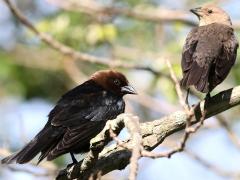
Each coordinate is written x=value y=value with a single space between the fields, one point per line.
x=84 y=120
x=76 y=94
x=82 y=112
x=78 y=116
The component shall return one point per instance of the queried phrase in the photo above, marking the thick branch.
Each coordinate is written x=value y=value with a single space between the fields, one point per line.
x=154 y=132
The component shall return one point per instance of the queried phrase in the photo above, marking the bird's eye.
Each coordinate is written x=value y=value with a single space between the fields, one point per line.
x=117 y=82
x=210 y=11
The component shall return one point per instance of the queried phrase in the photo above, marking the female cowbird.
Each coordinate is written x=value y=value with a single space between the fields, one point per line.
x=79 y=116
x=210 y=50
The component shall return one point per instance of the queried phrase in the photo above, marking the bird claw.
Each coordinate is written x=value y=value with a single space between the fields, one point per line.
x=71 y=164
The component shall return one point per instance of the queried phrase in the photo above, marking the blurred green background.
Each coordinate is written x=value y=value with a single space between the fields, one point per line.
x=33 y=76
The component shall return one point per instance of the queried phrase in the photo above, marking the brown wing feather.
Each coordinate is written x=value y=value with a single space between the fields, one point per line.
x=208 y=56
x=226 y=59
x=189 y=49
x=189 y=59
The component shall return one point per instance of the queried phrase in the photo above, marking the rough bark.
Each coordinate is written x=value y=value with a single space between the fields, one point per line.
x=154 y=132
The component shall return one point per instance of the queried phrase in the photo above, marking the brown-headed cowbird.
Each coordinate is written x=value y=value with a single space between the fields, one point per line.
x=79 y=116
x=210 y=50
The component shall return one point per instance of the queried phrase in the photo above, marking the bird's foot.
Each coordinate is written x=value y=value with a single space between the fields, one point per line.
x=186 y=100
x=70 y=165
x=207 y=98
x=73 y=158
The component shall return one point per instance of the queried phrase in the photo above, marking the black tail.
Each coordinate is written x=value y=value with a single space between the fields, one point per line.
x=24 y=155
x=43 y=141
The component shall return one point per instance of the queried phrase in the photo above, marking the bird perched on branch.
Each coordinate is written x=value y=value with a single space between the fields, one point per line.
x=79 y=116
x=210 y=50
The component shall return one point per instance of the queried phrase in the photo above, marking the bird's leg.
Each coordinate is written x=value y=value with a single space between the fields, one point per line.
x=186 y=100
x=73 y=158
x=207 y=98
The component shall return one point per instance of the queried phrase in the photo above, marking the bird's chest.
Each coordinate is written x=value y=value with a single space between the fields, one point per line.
x=120 y=105
x=113 y=102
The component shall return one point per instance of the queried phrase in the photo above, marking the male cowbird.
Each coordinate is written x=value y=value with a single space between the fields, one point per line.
x=79 y=116
x=210 y=50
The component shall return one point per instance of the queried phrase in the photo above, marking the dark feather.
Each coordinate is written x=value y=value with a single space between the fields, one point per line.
x=44 y=139
x=208 y=55
x=83 y=126
x=24 y=155
x=78 y=117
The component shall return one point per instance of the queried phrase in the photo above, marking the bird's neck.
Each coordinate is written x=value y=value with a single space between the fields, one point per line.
x=225 y=22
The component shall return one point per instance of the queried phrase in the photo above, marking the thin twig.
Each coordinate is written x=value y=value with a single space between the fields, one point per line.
x=133 y=127
x=154 y=132
x=223 y=122
x=231 y=134
x=49 y=167
x=15 y=168
x=213 y=168
x=96 y=146
x=177 y=86
x=188 y=131
x=153 y=14
x=68 y=51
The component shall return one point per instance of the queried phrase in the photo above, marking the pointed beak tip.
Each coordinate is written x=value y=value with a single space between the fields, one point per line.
x=128 y=90
x=134 y=93
x=192 y=10
x=195 y=11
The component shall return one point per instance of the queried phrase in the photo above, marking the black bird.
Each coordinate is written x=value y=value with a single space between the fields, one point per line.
x=79 y=116
x=210 y=50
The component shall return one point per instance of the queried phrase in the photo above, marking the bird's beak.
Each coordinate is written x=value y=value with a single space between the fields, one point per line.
x=128 y=90
x=197 y=11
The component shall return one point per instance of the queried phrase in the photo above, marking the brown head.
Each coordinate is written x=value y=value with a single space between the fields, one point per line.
x=113 y=81
x=209 y=14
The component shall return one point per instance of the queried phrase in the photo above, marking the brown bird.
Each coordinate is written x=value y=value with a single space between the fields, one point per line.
x=210 y=50
x=79 y=116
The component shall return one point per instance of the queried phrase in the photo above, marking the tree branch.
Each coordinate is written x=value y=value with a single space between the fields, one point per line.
x=101 y=160
x=70 y=52
x=149 y=14
x=230 y=132
x=49 y=168
x=217 y=170
x=154 y=132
